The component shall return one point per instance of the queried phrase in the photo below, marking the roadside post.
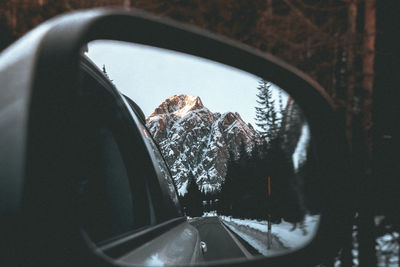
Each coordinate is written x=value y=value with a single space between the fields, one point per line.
x=269 y=234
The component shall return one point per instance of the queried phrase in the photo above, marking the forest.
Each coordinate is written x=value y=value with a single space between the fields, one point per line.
x=263 y=183
x=348 y=46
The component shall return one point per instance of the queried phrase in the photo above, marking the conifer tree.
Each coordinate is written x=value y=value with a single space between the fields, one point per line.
x=280 y=102
x=193 y=200
x=227 y=193
x=266 y=115
x=105 y=73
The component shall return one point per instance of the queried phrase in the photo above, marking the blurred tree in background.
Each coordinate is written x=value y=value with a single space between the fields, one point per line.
x=348 y=46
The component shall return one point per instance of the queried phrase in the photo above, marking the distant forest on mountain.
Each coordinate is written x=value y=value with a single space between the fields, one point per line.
x=250 y=165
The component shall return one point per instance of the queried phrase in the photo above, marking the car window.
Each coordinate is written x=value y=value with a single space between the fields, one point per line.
x=164 y=176
x=108 y=197
x=113 y=190
x=169 y=203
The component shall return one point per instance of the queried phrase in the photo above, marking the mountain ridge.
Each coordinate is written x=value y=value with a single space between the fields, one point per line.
x=197 y=143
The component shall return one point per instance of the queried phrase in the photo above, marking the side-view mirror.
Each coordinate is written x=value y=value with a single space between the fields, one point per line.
x=132 y=140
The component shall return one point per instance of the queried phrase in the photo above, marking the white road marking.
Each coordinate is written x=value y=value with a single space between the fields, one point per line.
x=242 y=248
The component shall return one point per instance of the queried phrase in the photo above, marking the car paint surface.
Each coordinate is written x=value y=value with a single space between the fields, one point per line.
x=17 y=65
x=178 y=246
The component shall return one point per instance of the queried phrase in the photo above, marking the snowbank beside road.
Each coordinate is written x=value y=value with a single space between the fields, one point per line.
x=284 y=236
x=256 y=238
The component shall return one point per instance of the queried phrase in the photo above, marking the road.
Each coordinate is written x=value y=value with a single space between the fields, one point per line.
x=221 y=243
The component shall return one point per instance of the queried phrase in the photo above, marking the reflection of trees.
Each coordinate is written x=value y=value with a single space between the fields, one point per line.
x=290 y=129
x=192 y=201
x=266 y=114
x=244 y=192
x=285 y=200
x=305 y=177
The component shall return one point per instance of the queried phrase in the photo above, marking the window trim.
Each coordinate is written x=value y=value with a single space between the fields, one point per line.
x=121 y=246
x=87 y=68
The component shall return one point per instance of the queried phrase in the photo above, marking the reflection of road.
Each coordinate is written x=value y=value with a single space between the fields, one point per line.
x=257 y=238
x=221 y=243
x=285 y=236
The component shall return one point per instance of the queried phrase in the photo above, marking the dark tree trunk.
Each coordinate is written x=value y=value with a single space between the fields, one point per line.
x=352 y=11
x=269 y=10
x=367 y=253
x=126 y=4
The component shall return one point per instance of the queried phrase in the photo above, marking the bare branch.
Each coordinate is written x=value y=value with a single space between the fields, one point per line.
x=314 y=8
x=301 y=15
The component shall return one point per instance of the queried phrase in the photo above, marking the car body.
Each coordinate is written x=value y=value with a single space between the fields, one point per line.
x=159 y=200
x=116 y=145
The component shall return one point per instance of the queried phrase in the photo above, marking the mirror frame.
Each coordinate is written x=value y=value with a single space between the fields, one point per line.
x=58 y=45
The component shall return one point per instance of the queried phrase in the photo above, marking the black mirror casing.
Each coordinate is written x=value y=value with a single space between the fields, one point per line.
x=46 y=129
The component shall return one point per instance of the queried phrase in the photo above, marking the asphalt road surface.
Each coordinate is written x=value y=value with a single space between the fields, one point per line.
x=221 y=243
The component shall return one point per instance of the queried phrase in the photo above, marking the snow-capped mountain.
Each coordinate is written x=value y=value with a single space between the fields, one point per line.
x=197 y=143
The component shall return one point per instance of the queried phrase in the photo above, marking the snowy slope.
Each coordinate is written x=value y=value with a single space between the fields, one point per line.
x=197 y=143
x=284 y=236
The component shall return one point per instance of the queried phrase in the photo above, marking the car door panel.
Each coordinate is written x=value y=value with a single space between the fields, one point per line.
x=179 y=245
x=164 y=234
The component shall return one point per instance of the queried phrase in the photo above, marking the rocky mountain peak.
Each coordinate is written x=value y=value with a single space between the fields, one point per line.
x=178 y=105
x=197 y=143
x=229 y=118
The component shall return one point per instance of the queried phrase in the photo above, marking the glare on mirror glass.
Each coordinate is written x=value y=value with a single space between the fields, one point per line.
x=238 y=147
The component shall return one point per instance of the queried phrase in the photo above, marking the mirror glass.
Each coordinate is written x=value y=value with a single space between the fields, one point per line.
x=238 y=148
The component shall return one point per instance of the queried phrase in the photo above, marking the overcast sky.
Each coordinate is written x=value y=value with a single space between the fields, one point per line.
x=150 y=75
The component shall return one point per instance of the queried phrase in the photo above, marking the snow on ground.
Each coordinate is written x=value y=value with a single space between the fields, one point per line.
x=154 y=260
x=210 y=214
x=254 y=233
x=387 y=250
x=256 y=238
x=284 y=236
x=182 y=190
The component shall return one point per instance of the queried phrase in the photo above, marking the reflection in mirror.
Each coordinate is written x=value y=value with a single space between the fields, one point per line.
x=238 y=148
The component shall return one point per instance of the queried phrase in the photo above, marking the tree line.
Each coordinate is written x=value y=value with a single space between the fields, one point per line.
x=245 y=192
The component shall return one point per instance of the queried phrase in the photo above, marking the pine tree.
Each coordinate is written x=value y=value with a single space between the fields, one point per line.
x=105 y=73
x=227 y=193
x=193 y=200
x=280 y=102
x=266 y=115
x=258 y=180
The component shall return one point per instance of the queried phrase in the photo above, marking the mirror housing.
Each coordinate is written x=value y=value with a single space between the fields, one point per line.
x=53 y=53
